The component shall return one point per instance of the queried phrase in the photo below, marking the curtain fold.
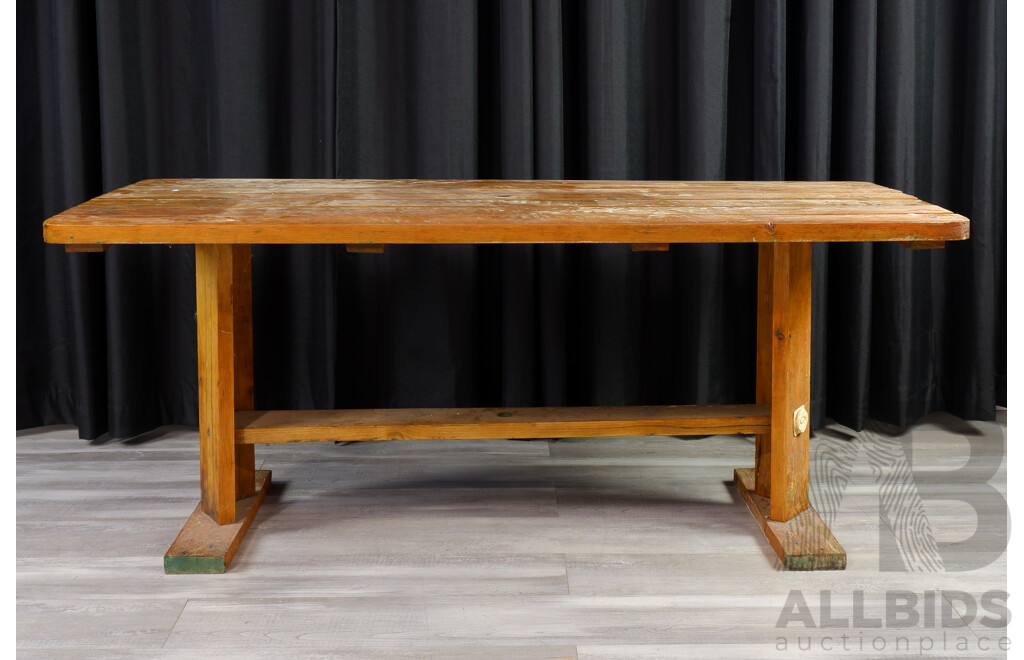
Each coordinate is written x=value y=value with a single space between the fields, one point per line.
x=910 y=95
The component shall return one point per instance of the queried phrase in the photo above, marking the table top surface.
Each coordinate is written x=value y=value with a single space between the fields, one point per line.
x=407 y=211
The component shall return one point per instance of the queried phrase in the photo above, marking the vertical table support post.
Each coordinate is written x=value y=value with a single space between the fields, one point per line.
x=241 y=304
x=231 y=487
x=765 y=300
x=776 y=489
x=789 y=340
x=215 y=312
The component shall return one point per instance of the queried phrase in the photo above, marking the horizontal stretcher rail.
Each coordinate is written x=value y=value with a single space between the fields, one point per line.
x=257 y=427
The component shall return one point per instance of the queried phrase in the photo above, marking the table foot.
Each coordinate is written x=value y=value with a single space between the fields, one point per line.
x=803 y=543
x=203 y=546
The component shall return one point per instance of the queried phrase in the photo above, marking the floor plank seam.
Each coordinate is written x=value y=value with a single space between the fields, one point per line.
x=174 y=625
x=565 y=570
x=966 y=623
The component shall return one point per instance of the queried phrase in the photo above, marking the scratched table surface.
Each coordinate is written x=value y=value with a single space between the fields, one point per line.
x=457 y=211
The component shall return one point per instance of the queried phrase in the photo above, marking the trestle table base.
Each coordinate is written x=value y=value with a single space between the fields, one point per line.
x=775 y=489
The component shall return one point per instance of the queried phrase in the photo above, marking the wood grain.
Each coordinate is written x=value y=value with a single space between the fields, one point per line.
x=241 y=302
x=802 y=543
x=765 y=342
x=790 y=377
x=923 y=245
x=203 y=546
x=469 y=423
x=452 y=211
x=215 y=340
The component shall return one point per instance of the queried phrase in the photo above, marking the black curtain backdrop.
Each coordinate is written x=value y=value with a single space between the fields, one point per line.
x=907 y=94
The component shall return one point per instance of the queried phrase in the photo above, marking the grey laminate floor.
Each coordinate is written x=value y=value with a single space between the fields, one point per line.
x=594 y=548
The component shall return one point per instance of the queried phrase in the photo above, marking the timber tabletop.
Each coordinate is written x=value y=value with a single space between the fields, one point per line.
x=363 y=211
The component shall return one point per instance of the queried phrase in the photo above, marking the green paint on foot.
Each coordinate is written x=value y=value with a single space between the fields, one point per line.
x=193 y=565
x=824 y=562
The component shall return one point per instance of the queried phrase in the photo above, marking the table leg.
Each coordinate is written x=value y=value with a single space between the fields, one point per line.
x=215 y=313
x=763 y=441
x=241 y=302
x=776 y=488
x=231 y=488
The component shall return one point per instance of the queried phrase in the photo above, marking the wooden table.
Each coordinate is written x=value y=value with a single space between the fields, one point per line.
x=225 y=217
